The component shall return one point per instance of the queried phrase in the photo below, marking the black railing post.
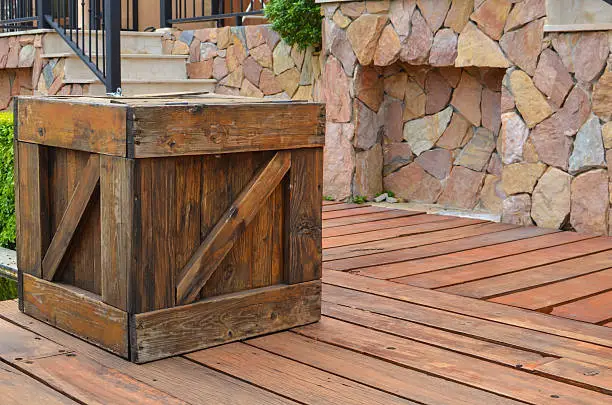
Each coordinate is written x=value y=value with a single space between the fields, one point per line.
x=112 y=29
x=165 y=13
x=43 y=7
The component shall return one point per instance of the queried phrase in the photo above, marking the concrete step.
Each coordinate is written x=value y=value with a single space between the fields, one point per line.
x=133 y=67
x=131 y=43
x=141 y=87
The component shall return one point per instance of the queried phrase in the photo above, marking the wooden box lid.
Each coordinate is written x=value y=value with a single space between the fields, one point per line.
x=169 y=125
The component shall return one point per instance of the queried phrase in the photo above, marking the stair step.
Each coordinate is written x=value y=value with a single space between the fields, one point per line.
x=141 y=87
x=131 y=42
x=133 y=67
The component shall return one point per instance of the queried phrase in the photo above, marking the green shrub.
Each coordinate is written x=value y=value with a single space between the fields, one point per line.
x=7 y=190
x=296 y=21
x=8 y=289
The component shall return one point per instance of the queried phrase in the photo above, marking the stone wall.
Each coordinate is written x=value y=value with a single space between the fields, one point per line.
x=547 y=165
x=250 y=61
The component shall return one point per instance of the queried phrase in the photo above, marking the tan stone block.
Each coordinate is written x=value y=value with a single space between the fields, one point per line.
x=467 y=97
x=476 y=49
x=520 y=178
x=530 y=102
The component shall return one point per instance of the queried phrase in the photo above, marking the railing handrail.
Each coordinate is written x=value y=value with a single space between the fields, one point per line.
x=178 y=15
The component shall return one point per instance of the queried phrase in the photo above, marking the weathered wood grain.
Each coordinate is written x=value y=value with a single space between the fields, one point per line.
x=116 y=210
x=224 y=128
x=303 y=194
x=222 y=237
x=72 y=217
x=98 y=128
x=227 y=318
x=78 y=312
x=17 y=388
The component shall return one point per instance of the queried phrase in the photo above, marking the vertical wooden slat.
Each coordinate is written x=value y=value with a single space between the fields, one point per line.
x=32 y=211
x=303 y=216
x=154 y=233
x=116 y=207
x=59 y=196
x=276 y=270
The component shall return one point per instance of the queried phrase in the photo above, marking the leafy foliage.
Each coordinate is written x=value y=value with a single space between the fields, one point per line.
x=8 y=289
x=7 y=190
x=297 y=21
x=359 y=199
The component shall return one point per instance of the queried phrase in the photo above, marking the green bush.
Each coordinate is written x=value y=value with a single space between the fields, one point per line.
x=8 y=289
x=296 y=21
x=7 y=190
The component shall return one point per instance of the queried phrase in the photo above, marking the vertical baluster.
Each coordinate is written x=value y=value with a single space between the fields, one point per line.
x=97 y=27
x=103 y=31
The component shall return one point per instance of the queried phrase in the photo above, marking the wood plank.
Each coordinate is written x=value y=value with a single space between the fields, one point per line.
x=589 y=375
x=349 y=305
x=382 y=234
x=532 y=277
x=501 y=380
x=341 y=206
x=227 y=318
x=222 y=237
x=541 y=298
x=73 y=215
x=73 y=310
x=510 y=264
x=350 y=212
x=595 y=309
x=18 y=344
x=267 y=242
x=473 y=307
x=472 y=346
x=17 y=389
x=359 y=219
x=194 y=130
x=330 y=203
x=32 y=229
x=61 y=186
x=117 y=206
x=303 y=193
x=382 y=224
x=98 y=128
x=75 y=375
x=465 y=257
x=411 y=241
x=291 y=379
x=376 y=373
x=176 y=376
x=436 y=249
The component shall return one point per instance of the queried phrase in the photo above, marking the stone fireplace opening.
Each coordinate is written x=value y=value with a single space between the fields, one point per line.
x=429 y=134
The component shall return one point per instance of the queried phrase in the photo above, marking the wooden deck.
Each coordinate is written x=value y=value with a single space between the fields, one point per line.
x=426 y=310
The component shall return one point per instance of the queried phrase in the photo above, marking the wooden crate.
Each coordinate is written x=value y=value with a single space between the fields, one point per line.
x=157 y=226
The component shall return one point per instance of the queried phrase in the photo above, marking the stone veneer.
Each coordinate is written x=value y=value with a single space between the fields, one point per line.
x=494 y=113
x=250 y=61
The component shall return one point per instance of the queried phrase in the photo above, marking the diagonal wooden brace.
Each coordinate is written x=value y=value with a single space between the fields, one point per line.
x=71 y=218
x=232 y=224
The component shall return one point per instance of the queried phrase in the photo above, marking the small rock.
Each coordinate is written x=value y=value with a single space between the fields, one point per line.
x=391 y=200
x=588 y=148
x=208 y=51
x=341 y=20
x=382 y=197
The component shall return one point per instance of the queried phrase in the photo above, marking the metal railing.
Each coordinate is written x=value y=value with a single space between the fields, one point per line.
x=93 y=31
x=17 y=15
x=174 y=12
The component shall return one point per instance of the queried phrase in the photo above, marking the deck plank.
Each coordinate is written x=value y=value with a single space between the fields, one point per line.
x=473 y=307
x=541 y=298
x=470 y=256
x=557 y=257
x=349 y=305
x=352 y=212
x=18 y=388
x=595 y=309
x=383 y=224
x=359 y=219
x=176 y=376
x=435 y=249
x=410 y=241
x=374 y=372
x=341 y=206
x=289 y=378
x=513 y=383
